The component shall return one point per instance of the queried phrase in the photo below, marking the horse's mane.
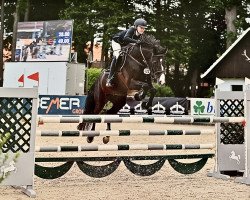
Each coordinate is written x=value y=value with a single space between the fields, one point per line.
x=150 y=39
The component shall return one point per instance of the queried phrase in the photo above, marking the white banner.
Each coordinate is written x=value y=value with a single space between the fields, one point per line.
x=49 y=77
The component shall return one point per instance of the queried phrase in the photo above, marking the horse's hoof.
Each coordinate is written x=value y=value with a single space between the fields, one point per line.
x=79 y=127
x=105 y=139
x=144 y=105
x=90 y=139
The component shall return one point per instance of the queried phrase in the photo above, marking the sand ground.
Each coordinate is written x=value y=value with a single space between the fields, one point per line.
x=122 y=184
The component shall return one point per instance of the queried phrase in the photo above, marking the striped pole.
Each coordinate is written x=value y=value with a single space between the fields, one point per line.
x=138 y=119
x=123 y=147
x=51 y=133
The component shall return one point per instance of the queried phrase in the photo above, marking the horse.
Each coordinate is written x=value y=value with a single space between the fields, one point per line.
x=139 y=65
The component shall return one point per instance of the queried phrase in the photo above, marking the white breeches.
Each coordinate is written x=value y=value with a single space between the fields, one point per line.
x=116 y=48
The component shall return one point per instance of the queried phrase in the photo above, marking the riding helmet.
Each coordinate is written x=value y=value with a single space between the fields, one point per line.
x=140 y=22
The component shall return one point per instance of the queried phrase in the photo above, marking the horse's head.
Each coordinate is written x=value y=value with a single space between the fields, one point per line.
x=158 y=52
x=158 y=69
x=150 y=42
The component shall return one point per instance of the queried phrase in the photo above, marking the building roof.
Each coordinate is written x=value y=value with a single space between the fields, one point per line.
x=225 y=53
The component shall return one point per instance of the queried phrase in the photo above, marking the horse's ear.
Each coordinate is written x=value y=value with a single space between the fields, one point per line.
x=161 y=50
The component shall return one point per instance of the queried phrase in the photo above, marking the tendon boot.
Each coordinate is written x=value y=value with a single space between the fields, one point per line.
x=111 y=76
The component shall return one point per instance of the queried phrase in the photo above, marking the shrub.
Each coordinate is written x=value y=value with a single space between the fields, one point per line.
x=163 y=91
x=93 y=74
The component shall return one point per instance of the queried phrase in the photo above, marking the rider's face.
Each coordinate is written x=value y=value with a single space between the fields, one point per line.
x=140 y=29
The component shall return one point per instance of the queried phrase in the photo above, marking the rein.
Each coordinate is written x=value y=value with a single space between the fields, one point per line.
x=145 y=63
x=144 y=60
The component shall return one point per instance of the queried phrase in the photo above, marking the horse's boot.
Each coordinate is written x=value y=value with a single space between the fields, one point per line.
x=111 y=76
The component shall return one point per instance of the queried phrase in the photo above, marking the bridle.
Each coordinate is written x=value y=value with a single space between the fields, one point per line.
x=145 y=63
x=150 y=67
x=159 y=71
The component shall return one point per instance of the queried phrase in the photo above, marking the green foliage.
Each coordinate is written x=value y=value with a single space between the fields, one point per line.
x=51 y=8
x=93 y=74
x=163 y=91
x=210 y=93
x=22 y=5
x=3 y=139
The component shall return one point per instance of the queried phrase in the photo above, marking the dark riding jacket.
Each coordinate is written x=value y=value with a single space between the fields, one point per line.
x=127 y=36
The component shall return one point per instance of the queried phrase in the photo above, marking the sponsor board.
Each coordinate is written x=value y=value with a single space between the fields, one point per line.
x=75 y=105
x=61 y=105
x=202 y=106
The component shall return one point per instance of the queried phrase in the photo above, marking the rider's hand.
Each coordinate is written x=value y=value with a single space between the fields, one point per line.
x=138 y=42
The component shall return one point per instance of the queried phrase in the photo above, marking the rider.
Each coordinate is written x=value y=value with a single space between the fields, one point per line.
x=123 y=38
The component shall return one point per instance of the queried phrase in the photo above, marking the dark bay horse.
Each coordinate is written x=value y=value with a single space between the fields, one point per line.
x=139 y=64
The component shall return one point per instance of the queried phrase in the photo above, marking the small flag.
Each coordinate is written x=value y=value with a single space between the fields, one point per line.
x=21 y=78
x=21 y=81
x=34 y=77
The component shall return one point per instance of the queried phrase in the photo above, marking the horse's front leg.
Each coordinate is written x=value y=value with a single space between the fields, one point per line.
x=152 y=92
x=143 y=88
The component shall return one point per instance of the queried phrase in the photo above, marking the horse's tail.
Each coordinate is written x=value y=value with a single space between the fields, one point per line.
x=90 y=102
x=89 y=105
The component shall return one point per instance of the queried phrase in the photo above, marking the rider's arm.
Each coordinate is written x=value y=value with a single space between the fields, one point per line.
x=128 y=37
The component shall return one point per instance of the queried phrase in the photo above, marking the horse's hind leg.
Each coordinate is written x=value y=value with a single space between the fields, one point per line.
x=118 y=103
x=90 y=139
x=97 y=110
x=89 y=109
x=108 y=126
x=94 y=105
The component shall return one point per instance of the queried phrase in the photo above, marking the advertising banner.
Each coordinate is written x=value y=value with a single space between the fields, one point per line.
x=75 y=105
x=202 y=106
x=44 y=41
x=161 y=106
x=61 y=105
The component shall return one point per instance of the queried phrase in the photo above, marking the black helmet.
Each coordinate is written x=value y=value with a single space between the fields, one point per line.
x=140 y=22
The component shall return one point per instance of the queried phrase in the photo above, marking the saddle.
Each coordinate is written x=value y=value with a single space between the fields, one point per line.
x=121 y=79
x=121 y=59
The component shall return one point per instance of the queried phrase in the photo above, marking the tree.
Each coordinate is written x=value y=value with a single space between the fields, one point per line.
x=14 y=37
x=96 y=19
x=232 y=20
x=195 y=32
x=111 y=19
x=1 y=43
x=204 y=43
x=6 y=13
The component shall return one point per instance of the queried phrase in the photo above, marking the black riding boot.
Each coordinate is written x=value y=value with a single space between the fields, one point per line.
x=111 y=76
